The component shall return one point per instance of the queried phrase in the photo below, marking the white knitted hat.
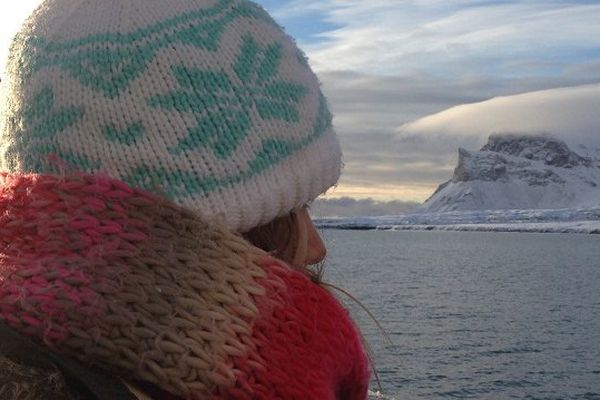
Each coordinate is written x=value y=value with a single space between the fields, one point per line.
x=207 y=102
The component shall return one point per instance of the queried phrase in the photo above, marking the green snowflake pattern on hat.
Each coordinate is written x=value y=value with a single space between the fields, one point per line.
x=206 y=102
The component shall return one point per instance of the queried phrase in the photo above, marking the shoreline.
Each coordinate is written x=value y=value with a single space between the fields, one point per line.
x=579 y=227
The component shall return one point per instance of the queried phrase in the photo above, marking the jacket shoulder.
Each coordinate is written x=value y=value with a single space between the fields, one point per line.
x=20 y=381
x=29 y=371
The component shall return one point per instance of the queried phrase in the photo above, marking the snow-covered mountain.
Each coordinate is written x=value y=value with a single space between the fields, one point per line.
x=520 y=172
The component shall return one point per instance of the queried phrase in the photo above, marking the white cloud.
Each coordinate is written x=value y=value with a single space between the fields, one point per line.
x=569 y=113
x=450 y=38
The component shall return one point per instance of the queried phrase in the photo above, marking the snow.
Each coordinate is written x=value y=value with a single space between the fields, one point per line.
x=568 y=220
x=516 y=194
x=542 y=227
x=514 y=171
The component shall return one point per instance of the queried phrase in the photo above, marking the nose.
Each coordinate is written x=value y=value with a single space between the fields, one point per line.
x=316 y=248
x=313 y=249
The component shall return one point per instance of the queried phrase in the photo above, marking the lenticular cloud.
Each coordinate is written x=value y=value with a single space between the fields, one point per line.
x=568 y=113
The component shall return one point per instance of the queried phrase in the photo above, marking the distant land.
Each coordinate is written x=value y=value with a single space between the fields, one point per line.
x=520 y=172
x=515 y=183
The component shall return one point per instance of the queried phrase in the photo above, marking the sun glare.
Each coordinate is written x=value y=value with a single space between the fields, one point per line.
x=12 y=15
x=383 y=192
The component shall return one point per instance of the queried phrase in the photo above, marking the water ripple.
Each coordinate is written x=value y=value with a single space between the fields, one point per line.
x=476 y=315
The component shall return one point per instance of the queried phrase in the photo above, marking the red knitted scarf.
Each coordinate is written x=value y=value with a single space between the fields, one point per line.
x=147 y=290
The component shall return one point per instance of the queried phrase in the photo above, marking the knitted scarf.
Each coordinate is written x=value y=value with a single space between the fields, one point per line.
x=149 y=291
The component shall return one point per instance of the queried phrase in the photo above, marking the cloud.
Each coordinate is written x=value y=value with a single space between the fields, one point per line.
x=458 y=38
x=369 y=108
x=346 y=206
x=568 y=113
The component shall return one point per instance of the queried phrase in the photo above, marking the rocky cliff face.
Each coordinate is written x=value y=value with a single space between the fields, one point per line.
x=520 y=172
x=550 y=151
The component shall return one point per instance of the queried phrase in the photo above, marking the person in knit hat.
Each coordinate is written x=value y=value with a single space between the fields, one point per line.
x=157 y=158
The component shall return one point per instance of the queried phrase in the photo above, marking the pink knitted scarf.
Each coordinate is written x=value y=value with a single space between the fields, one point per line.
x=147 y=290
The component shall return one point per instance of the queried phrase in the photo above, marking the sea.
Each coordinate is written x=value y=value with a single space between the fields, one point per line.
x=473 y=315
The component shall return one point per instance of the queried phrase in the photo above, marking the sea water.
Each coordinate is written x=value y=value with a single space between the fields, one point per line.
x=475 y=314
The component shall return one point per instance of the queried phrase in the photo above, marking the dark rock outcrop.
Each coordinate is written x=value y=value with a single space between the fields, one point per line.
x=551 y=151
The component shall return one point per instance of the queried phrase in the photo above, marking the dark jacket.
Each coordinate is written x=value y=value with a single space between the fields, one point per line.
x=29 y=371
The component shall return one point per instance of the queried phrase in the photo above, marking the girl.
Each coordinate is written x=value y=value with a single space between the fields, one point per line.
x=154 y=240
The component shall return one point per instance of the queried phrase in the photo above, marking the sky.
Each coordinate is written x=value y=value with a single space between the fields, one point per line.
x=411 y=81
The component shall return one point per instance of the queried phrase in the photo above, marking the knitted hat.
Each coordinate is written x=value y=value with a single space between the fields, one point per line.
x=206 y=102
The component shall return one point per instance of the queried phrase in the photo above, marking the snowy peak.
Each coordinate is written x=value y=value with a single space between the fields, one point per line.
x=551 y=151
x=520 y=172
x=490 y=166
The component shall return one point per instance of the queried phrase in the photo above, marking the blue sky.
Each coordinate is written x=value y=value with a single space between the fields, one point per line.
x=406 y=79
x=305 y=25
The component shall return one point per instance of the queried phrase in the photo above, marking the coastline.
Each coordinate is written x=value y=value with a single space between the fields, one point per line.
x=581 y=227
x=586 y=221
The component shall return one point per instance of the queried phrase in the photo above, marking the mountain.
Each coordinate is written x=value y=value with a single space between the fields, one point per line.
x=515 y=171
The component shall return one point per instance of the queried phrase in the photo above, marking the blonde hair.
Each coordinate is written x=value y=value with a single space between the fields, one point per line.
x=287 y=239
